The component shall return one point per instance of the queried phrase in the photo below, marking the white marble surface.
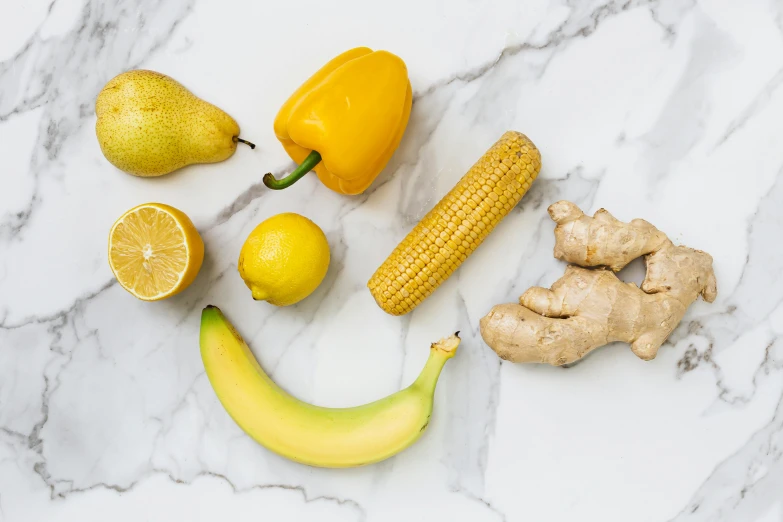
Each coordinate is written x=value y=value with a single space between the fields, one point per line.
x=668 y=110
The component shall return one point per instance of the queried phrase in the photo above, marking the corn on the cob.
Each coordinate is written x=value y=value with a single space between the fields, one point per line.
x=457 y=225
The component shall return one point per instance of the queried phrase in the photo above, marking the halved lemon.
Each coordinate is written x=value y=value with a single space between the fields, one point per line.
x=155 y=251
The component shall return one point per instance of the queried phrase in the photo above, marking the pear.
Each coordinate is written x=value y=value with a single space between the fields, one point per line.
x=149 y=125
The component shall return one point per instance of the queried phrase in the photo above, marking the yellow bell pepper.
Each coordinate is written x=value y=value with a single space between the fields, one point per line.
x=346 y=120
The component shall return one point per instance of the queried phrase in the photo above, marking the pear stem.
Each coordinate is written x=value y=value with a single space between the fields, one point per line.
x=306 y=166
x=237 y=139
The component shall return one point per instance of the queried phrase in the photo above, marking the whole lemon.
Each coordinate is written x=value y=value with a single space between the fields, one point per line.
x=284 y=259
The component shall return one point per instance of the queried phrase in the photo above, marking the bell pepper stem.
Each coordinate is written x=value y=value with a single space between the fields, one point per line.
x=306 y=166
x=237 y=139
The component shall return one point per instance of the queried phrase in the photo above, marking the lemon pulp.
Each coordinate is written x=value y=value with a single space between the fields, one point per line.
x=155 y=251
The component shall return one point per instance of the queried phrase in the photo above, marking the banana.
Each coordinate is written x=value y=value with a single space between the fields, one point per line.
x=313 y=435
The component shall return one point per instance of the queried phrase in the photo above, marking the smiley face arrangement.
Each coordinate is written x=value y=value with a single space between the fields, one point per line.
x=345 y=122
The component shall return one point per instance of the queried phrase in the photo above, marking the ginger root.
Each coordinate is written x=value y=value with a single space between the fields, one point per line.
x=601 y=240
x=588 y=308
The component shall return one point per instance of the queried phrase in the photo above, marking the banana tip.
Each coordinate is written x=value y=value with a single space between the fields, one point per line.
x=447 y=344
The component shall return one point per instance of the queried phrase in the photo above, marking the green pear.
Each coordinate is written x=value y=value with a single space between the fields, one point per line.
x=150 y=125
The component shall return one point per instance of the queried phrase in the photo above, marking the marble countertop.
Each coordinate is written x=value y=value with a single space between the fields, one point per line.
x=668 y=110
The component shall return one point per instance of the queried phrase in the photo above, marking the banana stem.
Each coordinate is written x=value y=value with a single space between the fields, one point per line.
x=439 y=353
x=237 y=139
x=306 y=166
x=428 y=378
